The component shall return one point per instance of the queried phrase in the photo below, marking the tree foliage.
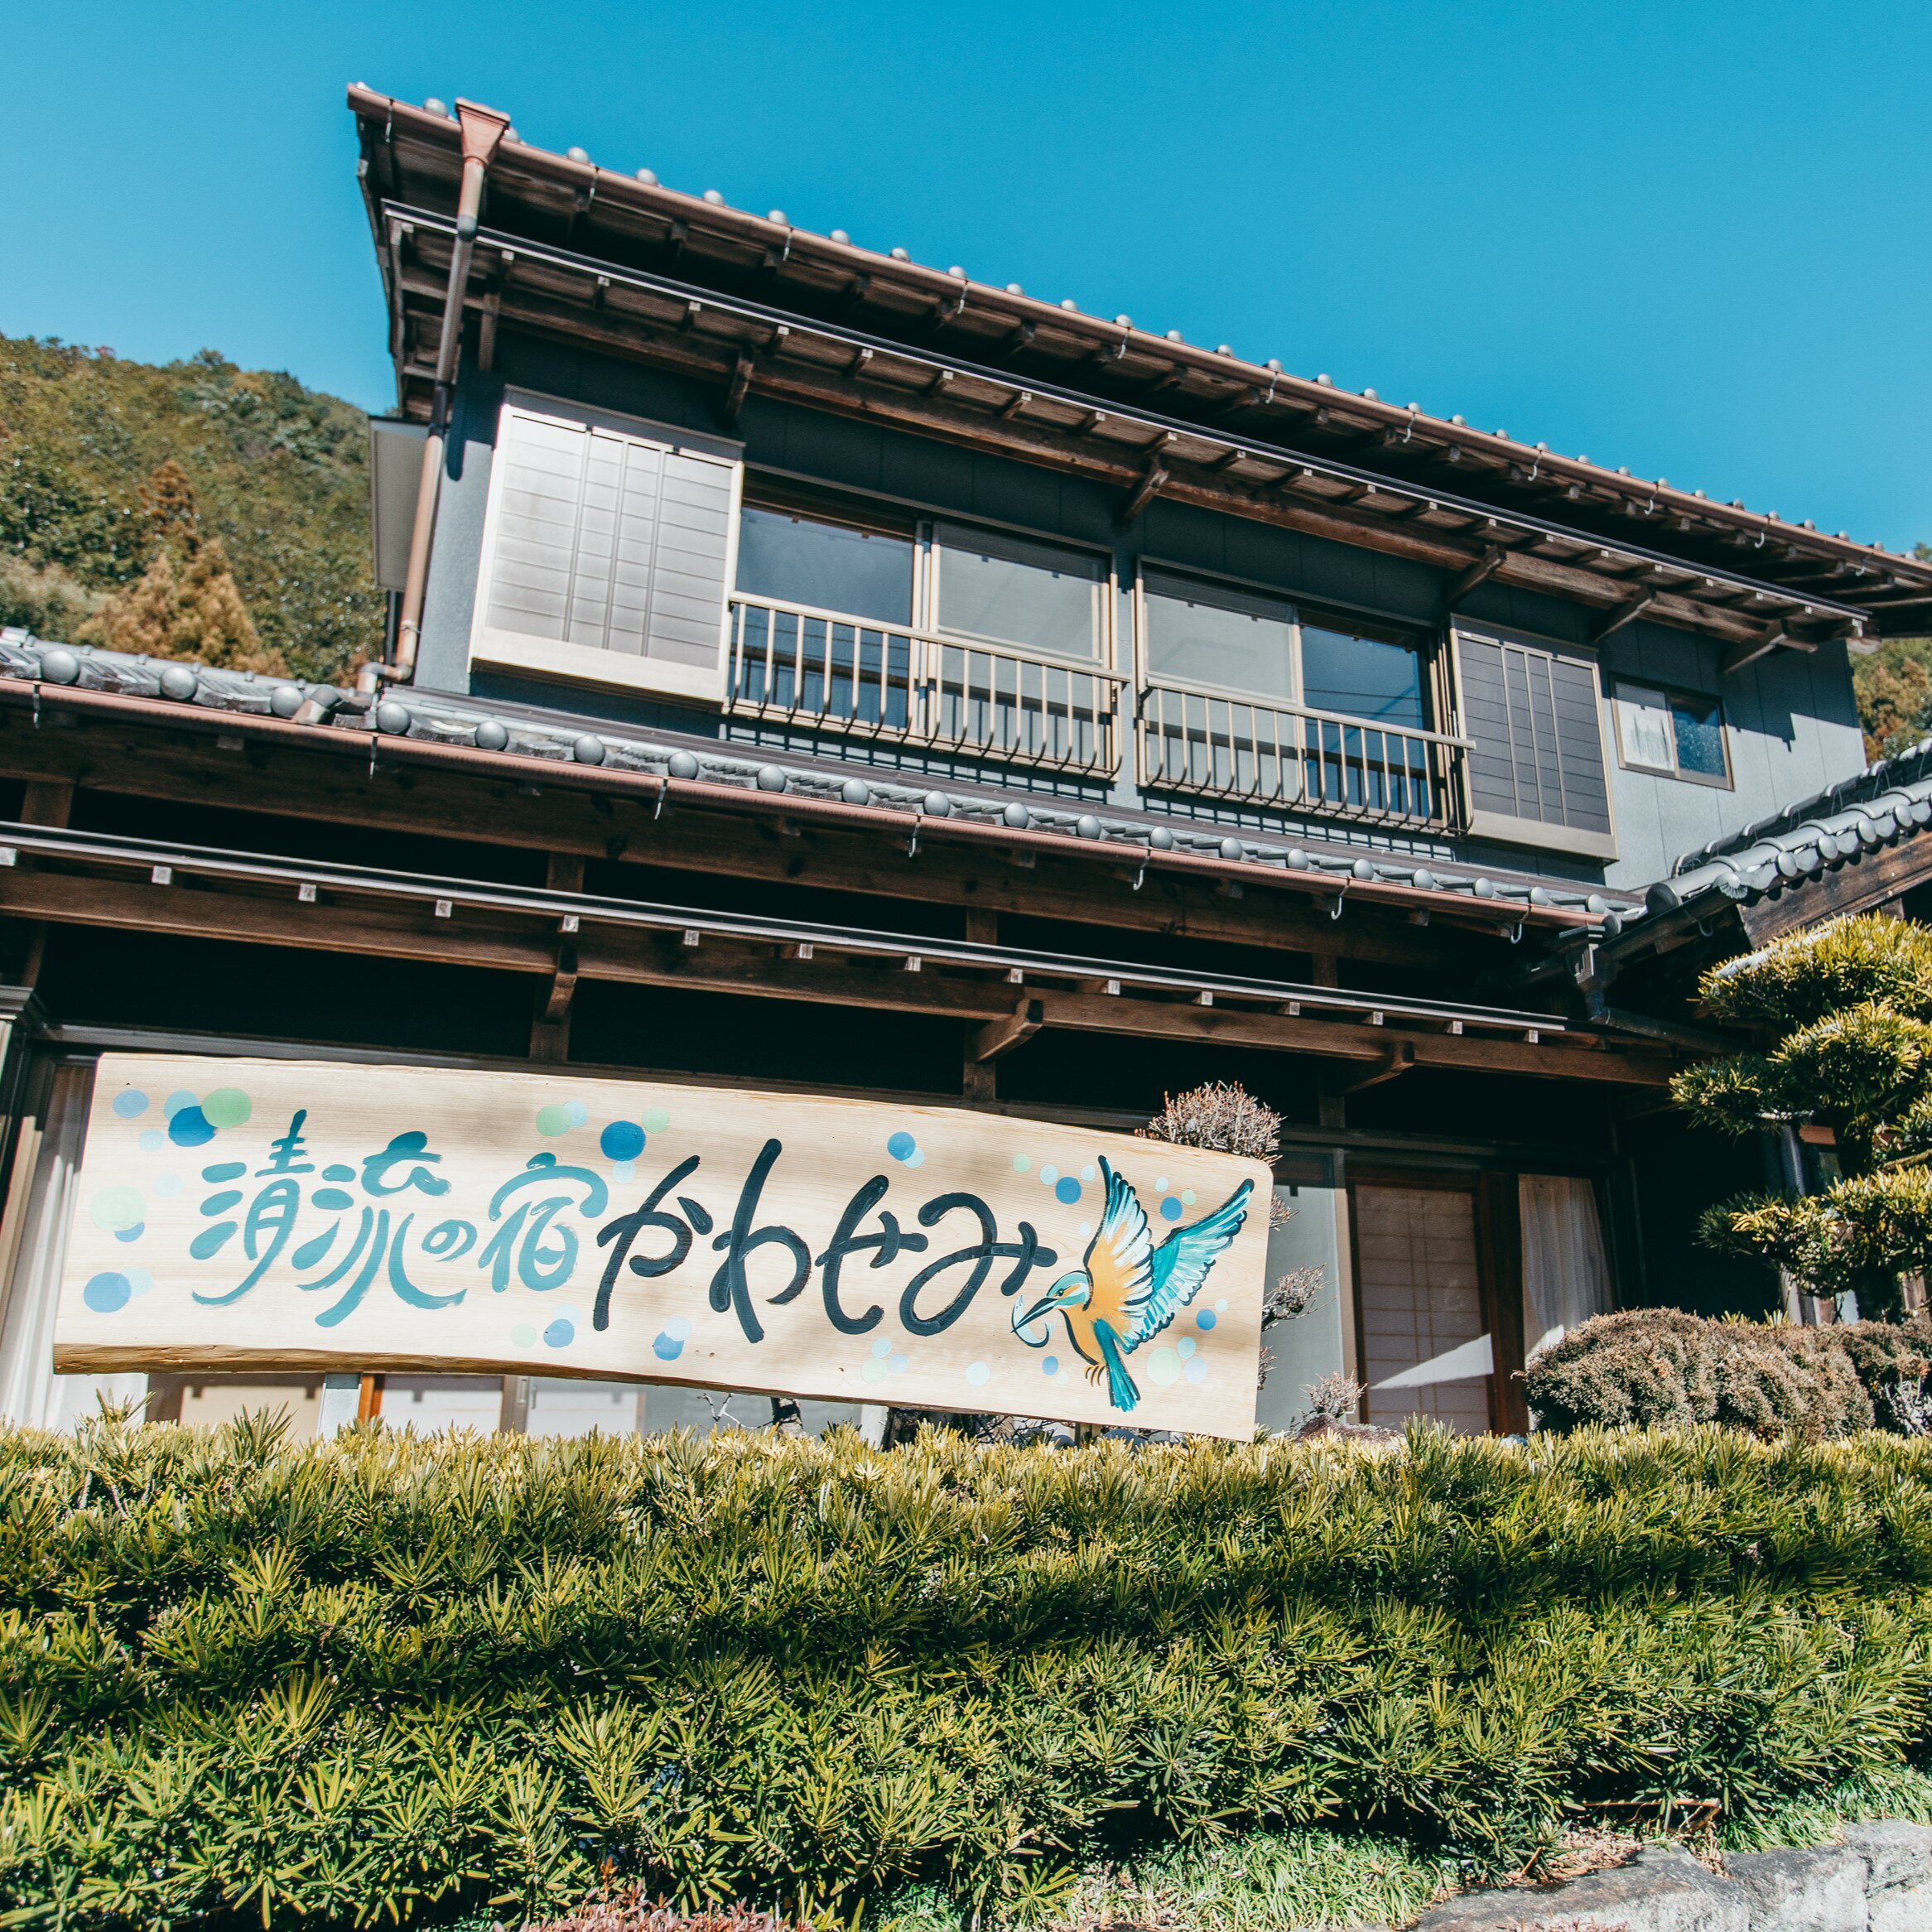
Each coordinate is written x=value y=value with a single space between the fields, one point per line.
x=1846 y=1011
x=275 y=515
x=387 y=1679
x=1894 y=689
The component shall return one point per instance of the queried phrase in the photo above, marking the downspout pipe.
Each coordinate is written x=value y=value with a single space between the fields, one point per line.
x=482 y=130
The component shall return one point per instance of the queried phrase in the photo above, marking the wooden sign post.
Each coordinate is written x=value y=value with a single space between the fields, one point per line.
x=248 y=1214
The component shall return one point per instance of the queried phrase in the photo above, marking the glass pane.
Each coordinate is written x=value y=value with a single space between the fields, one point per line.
x=1644 y=725
x=1024 y=594
x=1238 y=644
x=799 y=560
x=1360 y=677
x=1699 y=723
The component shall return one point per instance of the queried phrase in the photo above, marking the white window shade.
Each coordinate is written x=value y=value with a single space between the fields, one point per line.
x=1644 y=727
x=608 y=553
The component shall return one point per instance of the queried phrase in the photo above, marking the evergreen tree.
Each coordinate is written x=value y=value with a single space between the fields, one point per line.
x=1845 y=1013
x=186 y=603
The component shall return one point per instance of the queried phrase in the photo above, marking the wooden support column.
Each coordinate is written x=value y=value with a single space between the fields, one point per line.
x=1499 y=1238
x=47 y=801
x=979 y=1083
x=1331 y=1102
x=549 y=1033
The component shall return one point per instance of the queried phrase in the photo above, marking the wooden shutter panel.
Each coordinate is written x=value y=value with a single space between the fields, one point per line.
x=609 y=554
x=1535 y=767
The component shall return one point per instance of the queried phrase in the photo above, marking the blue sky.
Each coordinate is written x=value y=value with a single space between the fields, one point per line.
x=1688 y=238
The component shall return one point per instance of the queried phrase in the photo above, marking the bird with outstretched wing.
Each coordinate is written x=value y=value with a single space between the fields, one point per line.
x=1129 y=1289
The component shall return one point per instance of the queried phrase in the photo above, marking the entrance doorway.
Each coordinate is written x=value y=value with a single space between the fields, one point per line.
x=1425 y=1346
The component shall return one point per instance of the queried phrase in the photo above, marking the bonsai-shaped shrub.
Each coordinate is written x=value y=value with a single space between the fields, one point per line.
x=1656 y=1366
x=1846 y=1013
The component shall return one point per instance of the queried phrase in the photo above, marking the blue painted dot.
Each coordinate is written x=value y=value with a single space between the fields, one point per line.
x=1050 y=1365
x=902 y=1146
x=332 y=1198
x=153 y=1140
x=180 y=1098
x=1066 y=1191
x=621 y=1140
x=1049 y=1175
x=577 y=1112
x=668 y=1347
x=131 y=1234
x=624 y=1170
x=131 y=1104
x=1170 y=1208
x=678 y=1328
x=1206 y=1319
x=167 y=1186
x=1186 y=1347
x=209 y=1241
x=189 y=1128
x=896 y=1364
x=561 y=1333
x=106 y=1294
x=881 y=1349
x=1196 y=1371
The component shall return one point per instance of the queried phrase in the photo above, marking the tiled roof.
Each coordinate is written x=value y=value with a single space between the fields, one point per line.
x=1885 y=803
x=513 y=732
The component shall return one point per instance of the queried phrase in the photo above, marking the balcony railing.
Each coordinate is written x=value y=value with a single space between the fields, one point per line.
x=1282 y=754
x=820 y=672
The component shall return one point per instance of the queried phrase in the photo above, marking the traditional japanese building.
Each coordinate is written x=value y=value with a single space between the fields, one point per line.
x=812 y=669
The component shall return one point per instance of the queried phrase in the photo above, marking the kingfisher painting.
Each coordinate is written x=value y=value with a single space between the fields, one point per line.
x=1129 y=1289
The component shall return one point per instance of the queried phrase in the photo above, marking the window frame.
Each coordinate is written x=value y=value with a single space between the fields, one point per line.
x=522 y=654
x=764 y=490
x=1540 y=835
x=1671 y=694
x=1375 y=629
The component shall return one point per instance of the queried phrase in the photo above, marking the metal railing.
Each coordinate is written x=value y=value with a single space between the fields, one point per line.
x=819 y=671
x=1284 y=755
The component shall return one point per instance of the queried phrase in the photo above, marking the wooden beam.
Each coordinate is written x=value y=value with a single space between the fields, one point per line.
x=1145 y=493
x=998 y=1038
x=739 y=386
x=471 y=936
x=1861 y=885
x=1749 y=650
x=1397 y=1061
x=1480 y=572
x=1627 y=612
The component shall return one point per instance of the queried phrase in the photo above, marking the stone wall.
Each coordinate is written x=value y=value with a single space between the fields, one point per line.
x=1878 y=1880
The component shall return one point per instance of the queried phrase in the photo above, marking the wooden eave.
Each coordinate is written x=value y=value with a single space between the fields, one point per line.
x=409 y=159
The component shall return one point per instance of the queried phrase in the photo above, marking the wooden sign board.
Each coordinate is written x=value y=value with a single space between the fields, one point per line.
x=258 y=1214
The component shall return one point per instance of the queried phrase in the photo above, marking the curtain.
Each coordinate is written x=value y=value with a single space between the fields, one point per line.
x=30 y=1393
x=1566 y=1278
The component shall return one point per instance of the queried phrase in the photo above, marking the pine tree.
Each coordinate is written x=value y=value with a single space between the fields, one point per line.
x=1845 y=1010
x=186 y=603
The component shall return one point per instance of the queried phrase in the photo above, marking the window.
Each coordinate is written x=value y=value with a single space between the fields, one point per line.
x=1032 y=597
x=1246 y=642
x=1678 y=733
x=1535 y=762
x=607 y=552
x=1361 y=676
x=1213 y=634
x=792 y=558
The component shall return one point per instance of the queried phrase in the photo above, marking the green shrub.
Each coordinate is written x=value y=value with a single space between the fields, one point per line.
x=381 y=1677
x=1659 y=1368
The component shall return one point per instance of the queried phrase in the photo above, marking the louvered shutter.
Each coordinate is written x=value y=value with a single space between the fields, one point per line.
x=609 y=552
x=1535 y=766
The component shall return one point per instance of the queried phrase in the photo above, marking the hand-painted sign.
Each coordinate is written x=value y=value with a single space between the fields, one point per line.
x=233 y=1214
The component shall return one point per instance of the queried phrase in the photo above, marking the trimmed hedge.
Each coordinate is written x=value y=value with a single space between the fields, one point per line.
x=1658 y=1367
x=249 y=1682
